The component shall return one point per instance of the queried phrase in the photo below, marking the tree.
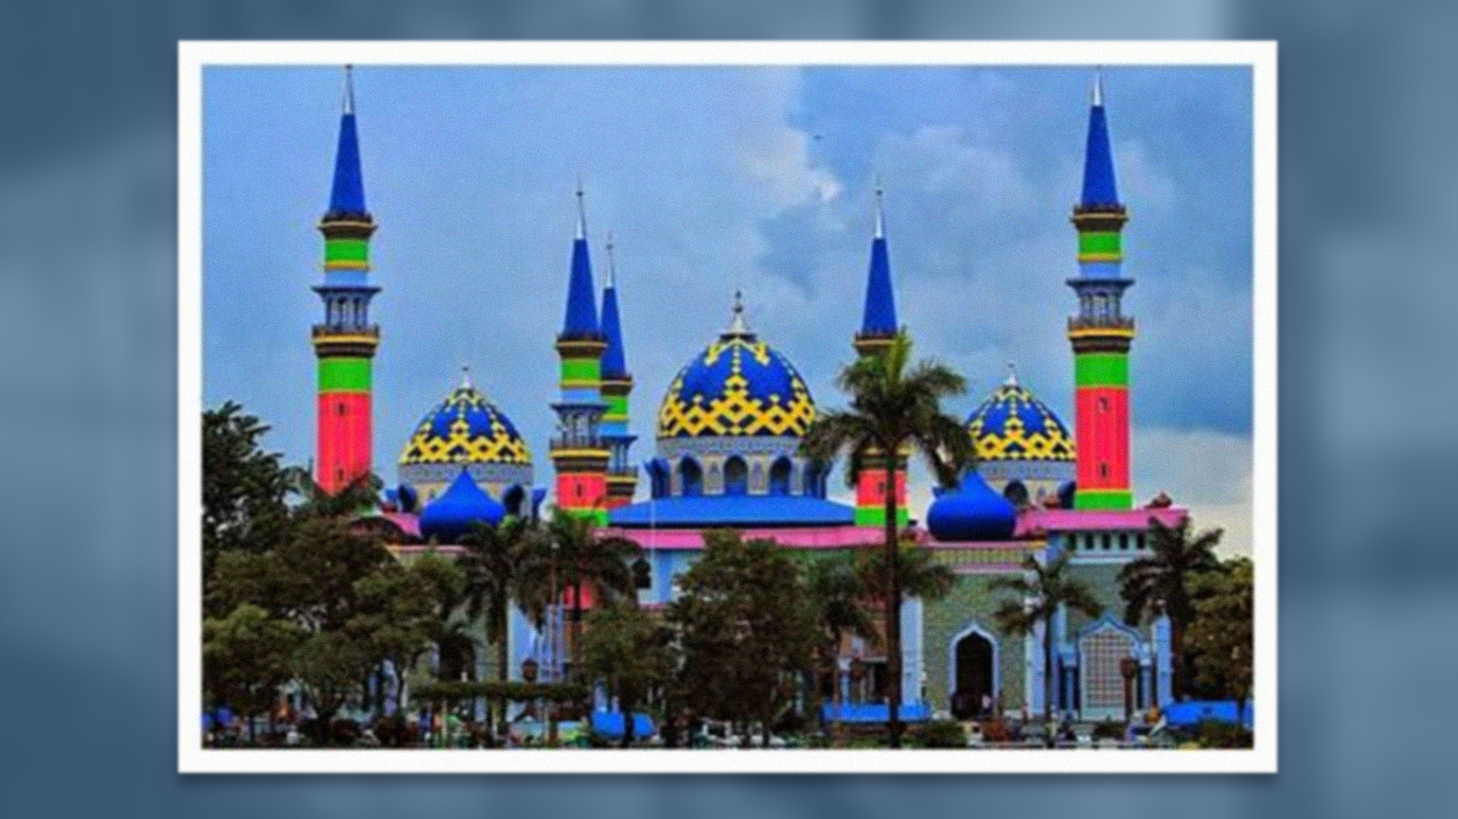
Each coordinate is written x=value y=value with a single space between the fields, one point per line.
x=243 y=489
x=745 y=629
x=583 y=560
x=362 y=494
x=494 y=563
x=1160 y=582
x=355 y=605
x=834 y=592
x=895 y=407
x=246 y=657
x=1219 y=643
x=629 y=652
x=1041 y=590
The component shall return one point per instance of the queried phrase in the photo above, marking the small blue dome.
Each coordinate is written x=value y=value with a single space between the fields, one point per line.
x=971 y=512
x=450 y=516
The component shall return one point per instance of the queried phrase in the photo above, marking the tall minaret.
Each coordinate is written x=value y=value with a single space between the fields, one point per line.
x=345 y=343
x=579 y=452
x=878 y=329
x=622 y=477
x=1100 y=333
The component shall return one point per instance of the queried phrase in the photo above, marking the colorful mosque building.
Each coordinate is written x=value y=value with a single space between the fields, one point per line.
x=726 y=456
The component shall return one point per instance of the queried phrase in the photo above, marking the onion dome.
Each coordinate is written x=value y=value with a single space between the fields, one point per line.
x=738 y=386
x=450 y=516
x=971 y=512
x=465 y=428
x=1012 y=425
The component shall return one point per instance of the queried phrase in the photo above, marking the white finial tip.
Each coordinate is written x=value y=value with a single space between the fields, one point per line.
x=581 y=211
x=1098 y=87
x=880 y=213
x=465 y=376
x=612 y=263
x=737 y=326
x=348 y=88
x=1012 y=375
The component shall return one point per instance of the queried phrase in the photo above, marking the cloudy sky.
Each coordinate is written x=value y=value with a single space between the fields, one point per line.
x=713 y=179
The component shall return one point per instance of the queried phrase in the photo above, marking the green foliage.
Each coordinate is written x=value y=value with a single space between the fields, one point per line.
x=745 y=629
x=243 y=488
x=939 y=734
x=1039 y=593
x=246 y=657
x=630 y=653
x=581 y=560
x=1160 y=582
x=1220 y=734
x=1219 y=644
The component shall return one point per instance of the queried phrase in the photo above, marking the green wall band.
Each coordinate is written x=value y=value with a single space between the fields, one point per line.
x=344 y=375
x=617 y=406
x=1103 y=499
x=581 y=369
x=346 y=250
x=876 y=515
x=1101 y=370
x=1095 y=242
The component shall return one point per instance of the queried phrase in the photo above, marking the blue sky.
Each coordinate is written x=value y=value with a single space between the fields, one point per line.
x=713 y=179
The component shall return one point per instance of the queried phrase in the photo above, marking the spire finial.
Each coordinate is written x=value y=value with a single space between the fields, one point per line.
x=612 y=265
x=1012 y=375
x=348 y=88
x=465 y=376
x=581 y=211
x=737 y=325
x=1098 y=87
x=880 y=215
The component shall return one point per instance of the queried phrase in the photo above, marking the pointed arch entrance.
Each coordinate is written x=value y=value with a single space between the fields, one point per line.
x=974 y=671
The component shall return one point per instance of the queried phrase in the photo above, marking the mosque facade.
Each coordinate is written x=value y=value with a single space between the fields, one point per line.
x=726 y=456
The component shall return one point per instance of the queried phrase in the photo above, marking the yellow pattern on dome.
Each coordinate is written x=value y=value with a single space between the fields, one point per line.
x=737 y=386
x=465 y=428
x=1012 y=425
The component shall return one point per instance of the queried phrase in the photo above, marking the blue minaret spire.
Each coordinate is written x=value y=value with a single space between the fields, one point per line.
x=581 y=319
x=878 y=322
x=622 y=477
x=614 y=364
x=347 y=196
x=1099 y=190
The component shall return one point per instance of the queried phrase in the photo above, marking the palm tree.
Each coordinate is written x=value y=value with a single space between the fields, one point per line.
x=359 y=495
x=1162 y=580
x=494 y=560
x=833 y=591
x=1041 y=591
x=584 y=560
x=895 y=407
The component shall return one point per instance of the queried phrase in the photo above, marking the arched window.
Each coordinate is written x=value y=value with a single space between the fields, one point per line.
x=512 y=500
x=779 y=481
x=1016 y=493
x=736 y=476
x=658 y=477
x=691 y=477
x=812 y=480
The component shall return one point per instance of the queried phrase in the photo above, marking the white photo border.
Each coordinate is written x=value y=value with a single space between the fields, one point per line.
x=194 y=56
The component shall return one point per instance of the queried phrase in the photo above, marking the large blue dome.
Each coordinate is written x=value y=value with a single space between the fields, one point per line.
x=450 y=516
x=739 y=385
x=971 y=512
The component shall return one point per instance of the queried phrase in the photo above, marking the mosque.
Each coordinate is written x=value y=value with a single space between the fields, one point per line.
x=726 y=456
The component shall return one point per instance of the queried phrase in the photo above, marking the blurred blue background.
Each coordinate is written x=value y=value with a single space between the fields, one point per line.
x=87 y=305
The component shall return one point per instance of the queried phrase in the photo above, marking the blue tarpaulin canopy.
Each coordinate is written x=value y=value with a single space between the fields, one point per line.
x=610 y=723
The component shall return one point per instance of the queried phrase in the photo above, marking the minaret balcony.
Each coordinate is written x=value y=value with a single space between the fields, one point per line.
x=559 y=442
x=325 y=330
x=1122 y=324
x=623 y=472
